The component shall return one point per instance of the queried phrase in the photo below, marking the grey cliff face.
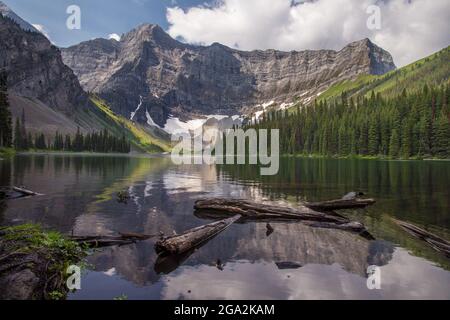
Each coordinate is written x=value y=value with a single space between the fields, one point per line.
x=36 y=70
x=187 y=81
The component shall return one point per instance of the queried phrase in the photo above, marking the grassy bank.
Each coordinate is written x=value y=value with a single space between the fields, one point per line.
x=7 y=152
x=33 y=263
x=360 y=157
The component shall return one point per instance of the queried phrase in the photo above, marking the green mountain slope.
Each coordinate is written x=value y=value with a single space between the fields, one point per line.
x=94 y=117
x=142 y=138
x=432 y=70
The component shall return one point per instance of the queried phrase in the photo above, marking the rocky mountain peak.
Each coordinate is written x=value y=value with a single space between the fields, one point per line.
x=35 y=67
x=380 y=60
x=150 y=33
x=186 y=81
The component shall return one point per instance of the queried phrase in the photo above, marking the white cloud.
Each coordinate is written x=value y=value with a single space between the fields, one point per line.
x=410 y=29
x=42 y=29
x=114 y=36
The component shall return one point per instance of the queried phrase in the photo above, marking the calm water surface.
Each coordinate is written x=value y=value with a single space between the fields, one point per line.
x=294 y=262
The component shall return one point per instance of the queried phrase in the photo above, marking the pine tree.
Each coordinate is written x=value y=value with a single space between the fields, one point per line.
x=6 y=137
x=23 y=132
x=373 y=137
x=39 y=142
x=406 y=140
x=78 y=142
x=442 y=137
x=67 y=143
x=30 y=141
x=18 y=142
x=394 y=144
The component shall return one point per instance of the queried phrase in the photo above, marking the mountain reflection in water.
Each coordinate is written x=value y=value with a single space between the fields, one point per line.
x=293 y=262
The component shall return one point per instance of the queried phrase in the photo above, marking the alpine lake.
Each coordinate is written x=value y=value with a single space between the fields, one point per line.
x=294 y=262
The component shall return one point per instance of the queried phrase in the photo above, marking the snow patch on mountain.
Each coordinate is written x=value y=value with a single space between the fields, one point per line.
x=150 y=121
x=285 y=105
x=133 y=114
x=175 y=125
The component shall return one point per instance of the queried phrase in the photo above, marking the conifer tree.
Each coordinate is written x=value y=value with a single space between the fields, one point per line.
x=6 y=130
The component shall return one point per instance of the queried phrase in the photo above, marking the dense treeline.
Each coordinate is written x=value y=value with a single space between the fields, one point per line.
x=5 y=113
x=101 y=141
x=22 y=140
x=413 y=124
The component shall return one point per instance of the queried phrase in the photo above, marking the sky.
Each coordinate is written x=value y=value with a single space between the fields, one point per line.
x=408 y=29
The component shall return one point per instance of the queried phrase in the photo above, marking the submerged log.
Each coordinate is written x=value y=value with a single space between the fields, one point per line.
x=192 y=238
x=259 y=211
x=286 y=265
x=322 y=217
x=10 y=193
x=108 y=241
x=314 y=211
x=352 y=226
x=437 y=243
x=340 y=204
x=233 y=210
x=25 y=191
x=167 y=262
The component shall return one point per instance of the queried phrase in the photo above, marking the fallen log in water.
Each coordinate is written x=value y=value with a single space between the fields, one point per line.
x=353 y=226
x=260 y=211
x=340 y=204
x=167 y=262
x=316 y=211
x=215 y=208
x=108 y=241
x=437 y=243
x=10 y=193
x=25 y=191
x=192 y=238
x=232 y=210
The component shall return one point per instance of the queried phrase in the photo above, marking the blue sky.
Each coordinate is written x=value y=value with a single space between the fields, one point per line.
x=99 y=17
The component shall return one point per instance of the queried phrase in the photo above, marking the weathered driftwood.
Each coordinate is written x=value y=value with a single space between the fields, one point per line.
x=107 y=241
x=286 y=265
x=340 y=204
x=10 y=193
x=434 y=241
x=260 y=211
x=250 y=211
x=317 y=211
x=25 y=191
x=352 y=226
x=192 y=238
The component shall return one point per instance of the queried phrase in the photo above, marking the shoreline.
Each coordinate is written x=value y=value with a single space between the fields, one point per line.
x=357 y=157
x=97 y=154
x=8 y=153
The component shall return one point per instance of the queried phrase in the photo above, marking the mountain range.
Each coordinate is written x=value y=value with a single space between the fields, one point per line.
x=148 y=84
x=179 y=80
